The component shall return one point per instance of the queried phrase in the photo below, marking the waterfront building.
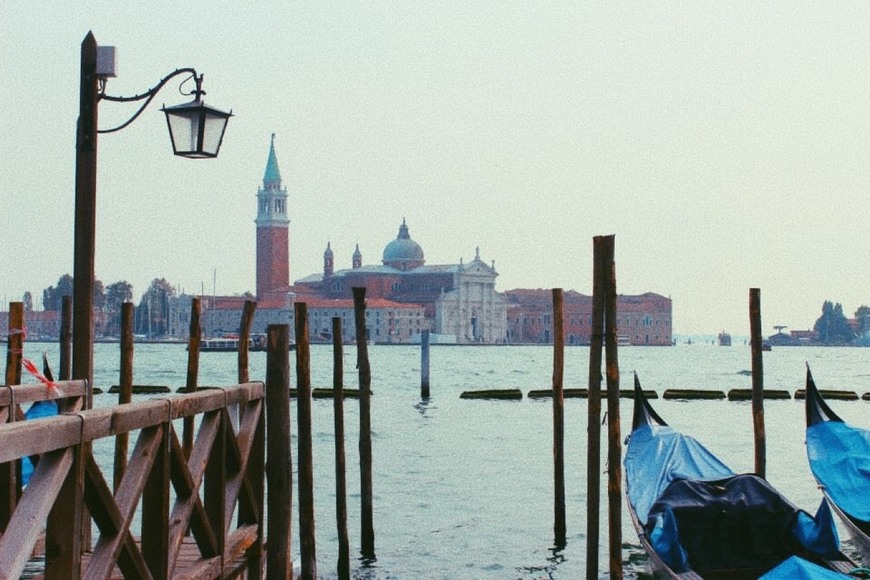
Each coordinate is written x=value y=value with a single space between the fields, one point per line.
x=642 y=320
x=458 y=301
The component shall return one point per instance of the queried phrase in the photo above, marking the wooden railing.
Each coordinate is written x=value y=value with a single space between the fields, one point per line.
x=184 y=506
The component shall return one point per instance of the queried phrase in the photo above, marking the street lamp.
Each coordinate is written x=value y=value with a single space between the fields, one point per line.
x=196 y=131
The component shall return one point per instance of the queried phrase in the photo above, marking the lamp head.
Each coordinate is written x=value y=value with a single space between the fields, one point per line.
x=196 y=130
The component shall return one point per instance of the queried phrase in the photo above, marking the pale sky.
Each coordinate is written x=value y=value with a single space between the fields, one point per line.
x=725 y=144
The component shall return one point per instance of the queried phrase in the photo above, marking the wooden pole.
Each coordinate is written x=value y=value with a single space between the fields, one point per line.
x=9 y=472
x=367 y=540
x=84 y=242
x=245 y=324
x=65 y=338
x=593 y=427
x=559 y=526
x=307 y=544
x=614 y=438
x=125 y=392
x=279 y=456
x=757 y=382
x=14 y=347
x=340 y=463
x=192 y=369
x=85 y=218
x=244 y=334
x=424 y=364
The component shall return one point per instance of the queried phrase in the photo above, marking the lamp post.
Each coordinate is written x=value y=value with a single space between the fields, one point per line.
x=196 y=132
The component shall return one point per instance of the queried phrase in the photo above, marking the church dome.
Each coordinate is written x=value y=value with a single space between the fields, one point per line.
x=403 y=253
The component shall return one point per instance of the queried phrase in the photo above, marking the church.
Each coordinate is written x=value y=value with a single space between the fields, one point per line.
x=456 y=303
x=459 y=302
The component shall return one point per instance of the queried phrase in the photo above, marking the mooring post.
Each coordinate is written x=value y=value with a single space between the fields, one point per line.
x=192 y=369
x=9 y=472
x=340 y=464
x=279 y=456
x=244 y=334
x=125 y=389
x=757 y=382
x=367 y=540
x=614 y=436
x=245 y=324
x=559 y=526
x=66 y=318
x=424 y=364
x=593 y=426
x=307 y=544
x=14 y=347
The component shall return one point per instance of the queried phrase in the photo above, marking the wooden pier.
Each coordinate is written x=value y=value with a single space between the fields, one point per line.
x=186 y=502
x=168 y=494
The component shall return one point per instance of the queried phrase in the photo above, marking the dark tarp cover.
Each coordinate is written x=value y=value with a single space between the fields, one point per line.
x=737 y=522
x=839 y=457
x=799 y=569
x=658 y=456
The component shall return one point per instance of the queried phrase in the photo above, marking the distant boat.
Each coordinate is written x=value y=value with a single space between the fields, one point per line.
x=256 y=343
x=696 y=518
x=839 y=456
x=724 y=339
x=765 y=345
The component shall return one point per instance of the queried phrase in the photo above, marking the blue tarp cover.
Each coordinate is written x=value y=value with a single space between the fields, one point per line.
x=839 y=456
x=37 y=410
x=698 y=514
x=658 y=455
x=799 y=569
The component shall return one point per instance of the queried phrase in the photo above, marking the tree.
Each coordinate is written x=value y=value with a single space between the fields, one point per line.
x=52 y=298
x=28 y=301
x=99 y=295
x=152 y=314
x=832 y=326
x=117 y=294
x=862 y=316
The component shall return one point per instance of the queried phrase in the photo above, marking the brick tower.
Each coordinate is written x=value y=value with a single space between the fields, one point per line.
x=273 y=230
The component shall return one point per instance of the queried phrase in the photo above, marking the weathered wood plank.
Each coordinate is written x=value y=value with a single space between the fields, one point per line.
x=251 y=511
x=240 y=445
x=36 y=502
x=202 y=401
x=186 y=477
x=109 y=520
x=215 y=482
x=155 y=509
x=36 y=437
x=127 y=497
x=29 y=393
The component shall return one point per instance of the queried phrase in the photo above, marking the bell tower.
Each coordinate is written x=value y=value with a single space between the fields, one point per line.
x=273 y=233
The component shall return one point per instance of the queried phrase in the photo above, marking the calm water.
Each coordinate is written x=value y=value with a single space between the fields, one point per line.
x=463 y=489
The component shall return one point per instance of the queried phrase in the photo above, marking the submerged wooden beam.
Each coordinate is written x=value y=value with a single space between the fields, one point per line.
x=509 y=394
x=840 y=395
x=746 y=394
x=584 y=394
x=689 y=394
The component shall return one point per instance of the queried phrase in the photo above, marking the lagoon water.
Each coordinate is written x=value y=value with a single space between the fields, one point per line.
x=463 y=488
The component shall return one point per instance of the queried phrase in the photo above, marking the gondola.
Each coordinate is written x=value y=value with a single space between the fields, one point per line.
x=696 y=518
x=839 y=456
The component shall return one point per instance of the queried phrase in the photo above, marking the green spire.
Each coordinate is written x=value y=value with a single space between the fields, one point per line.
x=273 y=174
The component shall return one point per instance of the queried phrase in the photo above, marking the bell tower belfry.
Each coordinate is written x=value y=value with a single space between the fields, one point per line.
x=273 y=233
